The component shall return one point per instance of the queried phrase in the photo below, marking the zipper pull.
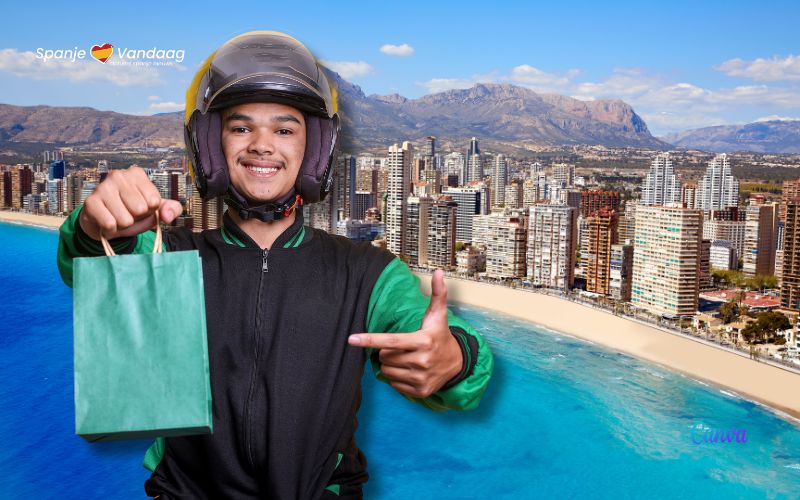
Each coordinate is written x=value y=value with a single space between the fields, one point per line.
x=264 y=265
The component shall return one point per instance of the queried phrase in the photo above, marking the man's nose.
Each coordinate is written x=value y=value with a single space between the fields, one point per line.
x=261 y=142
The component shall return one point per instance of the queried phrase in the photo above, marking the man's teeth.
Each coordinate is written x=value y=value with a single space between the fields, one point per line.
x=262 y=170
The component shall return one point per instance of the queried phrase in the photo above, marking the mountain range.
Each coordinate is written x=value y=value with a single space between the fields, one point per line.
x=778 y=136
x=505 y=118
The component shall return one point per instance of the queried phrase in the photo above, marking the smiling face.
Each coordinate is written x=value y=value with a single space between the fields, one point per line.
x=264 y=145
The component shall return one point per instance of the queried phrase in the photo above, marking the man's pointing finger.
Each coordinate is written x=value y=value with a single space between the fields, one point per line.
x=405 y=341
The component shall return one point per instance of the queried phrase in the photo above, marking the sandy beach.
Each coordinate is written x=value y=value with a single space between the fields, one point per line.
x=769 y=385
x=31 y=219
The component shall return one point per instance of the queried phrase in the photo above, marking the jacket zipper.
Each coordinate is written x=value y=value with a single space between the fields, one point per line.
x=257 y=349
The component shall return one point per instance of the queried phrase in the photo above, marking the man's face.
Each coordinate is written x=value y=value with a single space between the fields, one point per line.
x=264 y=145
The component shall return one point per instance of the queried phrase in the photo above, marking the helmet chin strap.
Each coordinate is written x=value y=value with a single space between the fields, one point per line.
x=266 y=212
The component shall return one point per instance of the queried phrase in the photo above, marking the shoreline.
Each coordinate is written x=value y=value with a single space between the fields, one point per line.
x=29 y=219
x=758 y=382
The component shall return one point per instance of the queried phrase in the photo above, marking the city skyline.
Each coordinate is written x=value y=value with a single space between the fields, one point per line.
x=676 y=82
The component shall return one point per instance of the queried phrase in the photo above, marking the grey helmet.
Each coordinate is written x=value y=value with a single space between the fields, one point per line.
x=261 y=66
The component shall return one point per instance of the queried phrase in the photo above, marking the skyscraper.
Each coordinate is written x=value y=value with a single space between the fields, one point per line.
x=441 y=244
x=621 y=272
x=471 y=201
x=602 y=229
x=506 y=245
x=596 y=200
x=416 y=238
x=790 y=283
x=399 y=163
x=661 y=186
x=499 y=180
x=473 y=164
x=552 y=238
x=759 y=238
x=718 y=189
x=666 y=259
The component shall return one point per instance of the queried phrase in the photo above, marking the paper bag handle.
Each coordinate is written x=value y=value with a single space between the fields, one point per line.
x=156 y=243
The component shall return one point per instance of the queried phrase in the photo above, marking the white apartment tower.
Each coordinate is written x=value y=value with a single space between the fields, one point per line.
x=667 y=259
x=552 y=239
x=399 y=164
x=661 y=186
x=718 y=189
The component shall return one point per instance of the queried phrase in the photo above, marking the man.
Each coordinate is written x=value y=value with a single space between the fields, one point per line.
x=287 y=306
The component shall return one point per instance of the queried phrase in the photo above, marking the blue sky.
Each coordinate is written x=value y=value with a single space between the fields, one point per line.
x=680 y=65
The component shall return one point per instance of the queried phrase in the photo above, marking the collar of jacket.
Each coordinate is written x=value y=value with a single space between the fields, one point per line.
x=292 y=237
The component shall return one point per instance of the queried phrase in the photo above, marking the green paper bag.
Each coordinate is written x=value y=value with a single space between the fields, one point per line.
x=141 y=354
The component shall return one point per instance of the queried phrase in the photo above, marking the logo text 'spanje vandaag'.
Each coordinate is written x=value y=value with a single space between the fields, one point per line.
x=107 y=53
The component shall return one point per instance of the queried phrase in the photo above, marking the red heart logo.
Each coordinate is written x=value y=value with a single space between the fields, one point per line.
x=102 y=52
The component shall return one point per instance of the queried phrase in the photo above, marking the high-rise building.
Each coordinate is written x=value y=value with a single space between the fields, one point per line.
x=728 y=230
x=790 y=280
x=564 y=175
x=661 y=186
x=21 y=185
x=718 y=189
x=416 y=237
x=621 y=272
x=471 y=200
x=454 y=166
x=499 y=180
x=205 y=214
x=602 y=234
x=473 y=164
x=596 y=200
x=73 y=185
x=627 y=223
x=705 y=264
x=55 y=196
x=399 y=163
x=722 y=255
x=362 y=201
x=441 y=244
x=791 y=192
x=344 y=187
x=160 y=178
x=506 y=243
x=689 y=195
x=759 y=238
x=5 y=188
x=56 y=170
x=552 y=241
x=667 y=260
x=514 y=196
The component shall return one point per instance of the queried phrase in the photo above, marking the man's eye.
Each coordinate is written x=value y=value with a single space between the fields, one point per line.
x=239 y=130
x=285 y=131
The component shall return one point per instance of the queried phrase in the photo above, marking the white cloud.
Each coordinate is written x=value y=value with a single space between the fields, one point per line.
x=161 y=107
x=27 y=65
x=403 y=50
x=529 y=76
x=774 y=69
x=348 y=69
x=153 y=98
x=776 y=118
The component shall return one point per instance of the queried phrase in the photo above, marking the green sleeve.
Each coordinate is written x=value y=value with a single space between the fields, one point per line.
x=397 y=305
x=73 y=242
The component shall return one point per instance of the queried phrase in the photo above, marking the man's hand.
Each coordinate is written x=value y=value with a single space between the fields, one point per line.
x=124 y=204
x=420 y=363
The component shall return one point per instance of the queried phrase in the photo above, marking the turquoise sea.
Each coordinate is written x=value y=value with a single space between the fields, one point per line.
x=563 y=418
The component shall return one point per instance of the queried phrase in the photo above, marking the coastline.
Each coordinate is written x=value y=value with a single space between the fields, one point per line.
x=28 y=219
x=758 y=382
